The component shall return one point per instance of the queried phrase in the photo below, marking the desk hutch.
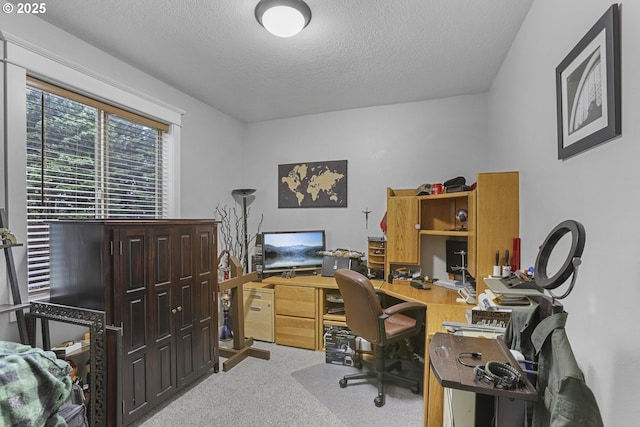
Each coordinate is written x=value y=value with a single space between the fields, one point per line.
x=493 y=222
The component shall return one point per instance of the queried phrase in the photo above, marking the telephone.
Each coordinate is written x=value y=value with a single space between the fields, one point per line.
x=468 y=295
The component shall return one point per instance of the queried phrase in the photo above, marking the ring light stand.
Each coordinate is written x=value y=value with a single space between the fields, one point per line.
x=549 y=304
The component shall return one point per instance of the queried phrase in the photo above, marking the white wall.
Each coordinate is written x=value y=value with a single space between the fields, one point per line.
x=397 y=146
x=210 y=163
x=596 y=188
x=402 y=146
x=210 y=142
x=209 y=138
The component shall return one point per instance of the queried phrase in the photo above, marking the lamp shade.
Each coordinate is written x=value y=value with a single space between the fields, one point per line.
x=283 y=18
x=243 y=192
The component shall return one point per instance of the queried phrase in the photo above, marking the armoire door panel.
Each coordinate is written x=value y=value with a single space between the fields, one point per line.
x=186 y=255
x=165 y=369
x=133 y=261
x=185 y=301
x=135 y=325
x=135 y=393
x=205 y=302
x=162 y=258
x=206 y=239
x=185 y=358
x=206 y=348
x=164 y=317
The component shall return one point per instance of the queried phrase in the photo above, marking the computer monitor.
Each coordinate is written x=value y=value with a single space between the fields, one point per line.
x=292 y=250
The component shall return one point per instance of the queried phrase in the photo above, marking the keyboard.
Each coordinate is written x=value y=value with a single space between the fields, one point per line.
x=448 y=283
x=456 y=285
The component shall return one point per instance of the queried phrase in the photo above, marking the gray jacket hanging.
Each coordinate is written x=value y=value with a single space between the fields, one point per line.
x=565 y=399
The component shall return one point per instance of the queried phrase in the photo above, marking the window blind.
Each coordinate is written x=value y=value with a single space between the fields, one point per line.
x=87 y=160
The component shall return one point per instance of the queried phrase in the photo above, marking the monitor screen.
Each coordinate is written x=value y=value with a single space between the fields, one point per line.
x=286 y=250
x=453 y=257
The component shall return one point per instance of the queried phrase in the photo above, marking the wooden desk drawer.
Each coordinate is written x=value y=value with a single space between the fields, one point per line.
x=258 y=314
x=296 y=332
x=296 y=301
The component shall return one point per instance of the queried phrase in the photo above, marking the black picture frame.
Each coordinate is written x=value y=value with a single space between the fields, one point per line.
x=589 y=74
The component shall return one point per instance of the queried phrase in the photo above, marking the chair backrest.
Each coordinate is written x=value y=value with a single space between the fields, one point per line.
x=361 y=304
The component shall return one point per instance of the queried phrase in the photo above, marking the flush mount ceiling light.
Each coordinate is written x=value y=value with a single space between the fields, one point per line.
x=283 y=18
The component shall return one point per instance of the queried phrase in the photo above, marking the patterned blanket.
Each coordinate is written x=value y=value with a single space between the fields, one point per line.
x=33 y=385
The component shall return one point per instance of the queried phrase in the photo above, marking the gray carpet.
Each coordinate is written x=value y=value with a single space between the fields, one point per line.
x=354 y=404
x=294 y=388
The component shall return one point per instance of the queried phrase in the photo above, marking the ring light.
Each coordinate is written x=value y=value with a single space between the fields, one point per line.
x=570 y=264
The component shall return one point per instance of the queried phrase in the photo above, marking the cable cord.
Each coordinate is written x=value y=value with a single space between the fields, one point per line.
x=474 y=355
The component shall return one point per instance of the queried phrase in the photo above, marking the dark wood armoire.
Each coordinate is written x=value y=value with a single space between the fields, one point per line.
x=155 y=279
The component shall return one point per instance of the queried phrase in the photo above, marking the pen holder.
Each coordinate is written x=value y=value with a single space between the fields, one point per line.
x=506 y=270
x=496 y=270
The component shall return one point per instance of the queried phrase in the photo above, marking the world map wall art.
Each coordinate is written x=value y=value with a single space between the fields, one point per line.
x=313 y=185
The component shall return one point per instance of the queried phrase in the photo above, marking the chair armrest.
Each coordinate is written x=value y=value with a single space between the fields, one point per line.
x=404 y=306
x=418 y=313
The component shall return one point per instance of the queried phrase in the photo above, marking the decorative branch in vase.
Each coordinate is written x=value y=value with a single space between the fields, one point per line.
x=232 y=232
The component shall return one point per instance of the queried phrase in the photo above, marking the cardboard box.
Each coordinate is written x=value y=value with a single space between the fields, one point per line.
x=340 y=346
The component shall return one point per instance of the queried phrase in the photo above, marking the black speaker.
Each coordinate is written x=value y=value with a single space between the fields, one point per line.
x=256 y=258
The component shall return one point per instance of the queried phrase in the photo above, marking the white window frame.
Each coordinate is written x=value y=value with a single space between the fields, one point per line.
x=22 y=58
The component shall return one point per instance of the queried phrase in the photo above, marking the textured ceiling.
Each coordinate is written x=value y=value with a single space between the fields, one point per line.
x=354 y=53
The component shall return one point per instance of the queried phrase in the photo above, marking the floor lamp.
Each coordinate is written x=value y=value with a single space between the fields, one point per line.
x=244 y=193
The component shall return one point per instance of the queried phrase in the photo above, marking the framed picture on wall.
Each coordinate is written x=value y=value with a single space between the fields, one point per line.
x=588 y=88
x=313 y=184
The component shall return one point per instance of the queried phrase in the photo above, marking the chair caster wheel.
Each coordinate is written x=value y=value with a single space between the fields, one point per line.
x=379 y=401
x=343 y=383
x=415 y=389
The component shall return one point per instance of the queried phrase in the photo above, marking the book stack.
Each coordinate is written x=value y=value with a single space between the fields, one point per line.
x=66 y=348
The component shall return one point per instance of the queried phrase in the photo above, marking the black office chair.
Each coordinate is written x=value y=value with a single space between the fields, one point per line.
x=367 y=319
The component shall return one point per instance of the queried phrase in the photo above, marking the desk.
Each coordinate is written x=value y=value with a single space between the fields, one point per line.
x=300 y=309
x=443 y=352
x=441 y=305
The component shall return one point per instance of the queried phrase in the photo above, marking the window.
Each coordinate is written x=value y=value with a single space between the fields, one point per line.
x=87 y=160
